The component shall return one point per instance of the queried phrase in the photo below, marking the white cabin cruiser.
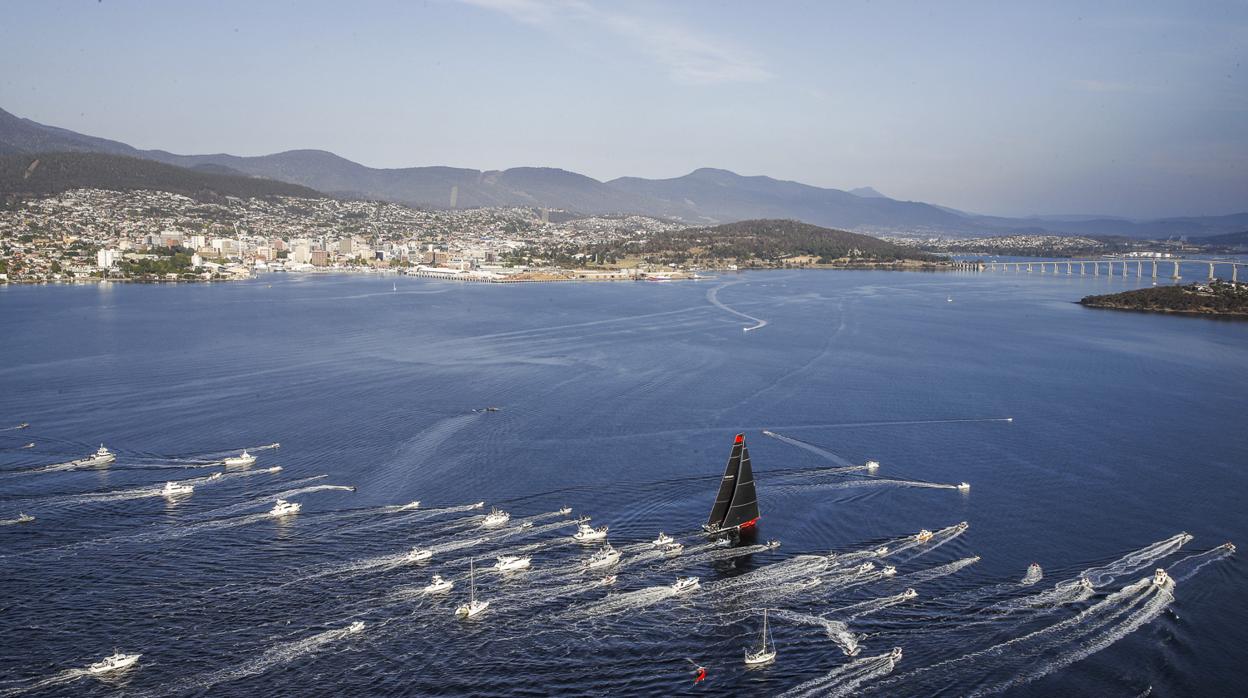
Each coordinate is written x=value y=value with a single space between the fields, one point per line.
x=605 y=557
x=115 y=662
x=438 y=585
x=873 y=465
x=772 y=544
x=474 y=607
x=888 y=571
x=866 y=567
x=564 y=511
x=176 y=489
x=512 y=563
x=685 y=584
x=1160 y=578
x=419 y=555
x=673 y=549
x=284 y=508
x=881 y=551
x=588 y=534
x=723 y=542
x=662 y=540
x=242 y=460
x=766 y=651
x=496 y=518
x=964 y=487
x=355 y=627
x=923 y=536
x=102 y=456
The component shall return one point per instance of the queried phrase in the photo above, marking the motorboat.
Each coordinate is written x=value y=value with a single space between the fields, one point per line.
x=526 y=524
x=923 y=536
x=909 y=594
x=964 y=487
x=588 y=534
x=888 y=571
x=355 y=627
x=512 y=563
x=284 y=508
x=772 y=544
x=662 y=540
x=474 y=607
x=1160 y=578
x=766 y=651
x=410 y=505
x=242 y=460
x=114 y=662
x=275 y=469
x=479 y=505
x=866 y=567
x=102 y=456
x=1086 y=584
x=1230 y=547
x=873 y=465
x=673 y=549
x=685 y=584
x=496 y=518
x=605 y=557
x=29 y=445
x=895 y=655
x=23 y=517
x=564 y=511
x=214 y=476
x=881 y=551
x=176 y=489
x=722 y=542
x=419 y=555
x=962 y=526
x=437 y=585
x=606 y=581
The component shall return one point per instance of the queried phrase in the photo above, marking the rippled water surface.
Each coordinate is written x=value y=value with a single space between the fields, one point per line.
x=620 y=401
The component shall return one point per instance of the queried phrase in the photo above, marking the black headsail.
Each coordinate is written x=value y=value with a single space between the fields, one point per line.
x=726 y=486
x=743 y=511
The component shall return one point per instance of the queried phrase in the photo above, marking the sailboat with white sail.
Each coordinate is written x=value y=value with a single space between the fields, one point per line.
x=474 y=607
x=766 y=651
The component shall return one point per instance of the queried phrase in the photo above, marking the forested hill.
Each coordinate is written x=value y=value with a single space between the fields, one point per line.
x=51 y=173
x=770 y=240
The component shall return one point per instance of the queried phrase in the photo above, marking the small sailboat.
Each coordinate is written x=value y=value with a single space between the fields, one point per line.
x=284 y=508
x=495 y=518
x=394 y=286
x=588 y=534
x=512 y=563
x=242 y=460
x=177 y=489
x=948 y=299
x=684 y=584
x=766 y=651
x=419 y=555
x=474 y=607
x=923 y=536
x=605 y=557
x=23 y=517
x=437 y=585
x=736 y=504
x=114 y=662
x=663 y=540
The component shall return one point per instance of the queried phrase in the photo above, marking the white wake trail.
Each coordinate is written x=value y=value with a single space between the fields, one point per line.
x=846 y=679
x=712 y=296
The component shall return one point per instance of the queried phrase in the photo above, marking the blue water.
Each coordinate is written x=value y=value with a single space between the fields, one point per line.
x=620 y=401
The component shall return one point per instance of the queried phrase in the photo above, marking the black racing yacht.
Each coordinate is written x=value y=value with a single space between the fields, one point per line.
x=736 y=505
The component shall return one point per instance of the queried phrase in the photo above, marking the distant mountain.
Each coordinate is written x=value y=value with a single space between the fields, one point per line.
x=705 y=196
x=1226 y=240
x=51 y=173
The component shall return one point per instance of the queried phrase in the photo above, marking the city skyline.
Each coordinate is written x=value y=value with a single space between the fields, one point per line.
x=1124 y=109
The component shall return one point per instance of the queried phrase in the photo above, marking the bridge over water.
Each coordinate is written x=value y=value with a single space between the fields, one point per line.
x=1117 y=267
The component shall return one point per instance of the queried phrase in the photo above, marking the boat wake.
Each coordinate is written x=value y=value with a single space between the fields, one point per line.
x=846 y=679
x=712 y=296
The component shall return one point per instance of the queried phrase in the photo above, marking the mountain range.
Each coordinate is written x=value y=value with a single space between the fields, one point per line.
x=703 y=197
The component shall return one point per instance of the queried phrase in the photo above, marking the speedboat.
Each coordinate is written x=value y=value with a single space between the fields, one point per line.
x=176 y=489
x=964 y=487
x=873 y=465
x=275 y=469
x=214 y=476
x=526 y=524
x=962 y=526
x=772 y=544
x=865 y=567
x=685 y=584
x=766 y=652
x=410 y=505
x=605 y=557
x=512 y=563
x=23 y=517
x=479 y=505
x=895 y=655
x=102 y=456
x=29 y=445
x=438 y=585
x=1085 y=583
x=1160 y=578
x=588 y=534
x=419 y=555
x=115 y=662
x=564 y=511
x=355 y=627
x=496 y=518
x=662 y=540
x=606 y=581
x=242 y=460
x=723 y=542
x=909 y=594
x=888 y=571
x=923 y=536
x=881 y=551
x=284 y=508
x=673 y=549
x=1230 y=547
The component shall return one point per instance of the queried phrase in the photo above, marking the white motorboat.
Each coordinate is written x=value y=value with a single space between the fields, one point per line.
x=214 y=476
x=1160 y=578
x=962 y=526
x=588 y=534
x=419 y=555
x=606 y=581
x=888 y=571
x=673 y=549
x=284 y=508
x=881 y=551
x=723 y=542
x=564 y=511
x=605 y=557
x=526 y=524
x=275 y=469
x=873 y=465
x=474 y=607
x=866 y=567
x=242 y=460
x=772 y=544
x=766 y=651
x=909 y=594
x=102 y=456
x=895 y=655
x=176 y=489
x=512 y=563
x=410 y=505
x=355 y=627
x=964 y=487
x=923 y=536
x=115 y=662
x=662 y=540
x=479 y=505
x=437 y=585
x=1086 y=583
x=23 y=517
x=685 y=584
x=495 y=518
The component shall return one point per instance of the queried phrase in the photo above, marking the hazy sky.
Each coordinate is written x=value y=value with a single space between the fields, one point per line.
x=1131 y=108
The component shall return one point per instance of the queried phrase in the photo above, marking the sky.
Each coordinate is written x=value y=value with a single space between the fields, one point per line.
x=1137 y=109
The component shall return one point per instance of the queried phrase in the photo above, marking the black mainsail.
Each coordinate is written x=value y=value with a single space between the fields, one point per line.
x=736 y=505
